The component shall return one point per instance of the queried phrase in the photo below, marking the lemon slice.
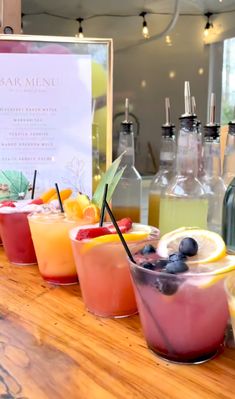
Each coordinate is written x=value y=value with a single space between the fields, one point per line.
x=231 y=305
x=210 y=273
x=112 y=238
x=211 y=246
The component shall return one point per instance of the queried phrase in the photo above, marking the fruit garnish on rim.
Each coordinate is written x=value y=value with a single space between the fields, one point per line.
x=82 y=208
x=211 y=246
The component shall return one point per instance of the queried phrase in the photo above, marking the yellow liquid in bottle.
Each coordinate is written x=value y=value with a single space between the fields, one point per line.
x=121 y=212
x=154 y=209
x=179 y=212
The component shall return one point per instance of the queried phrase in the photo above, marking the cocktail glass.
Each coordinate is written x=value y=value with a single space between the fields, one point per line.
x=183 y=316
x=230 y=290
x=50 y=234
x=16 y=237
x=104 y=274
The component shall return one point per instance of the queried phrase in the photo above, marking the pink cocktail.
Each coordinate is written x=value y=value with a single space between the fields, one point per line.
x=184 y=316
x=16 y=237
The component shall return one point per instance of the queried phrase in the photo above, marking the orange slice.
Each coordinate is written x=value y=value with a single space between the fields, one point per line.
x=64 y=194
x=46 y=196
x=91 y=213
x=112 y=238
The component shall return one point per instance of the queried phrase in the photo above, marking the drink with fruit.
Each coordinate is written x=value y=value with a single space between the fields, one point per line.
x=50 y=233
x=102 y=266
x=180 y=294
x=15 y=232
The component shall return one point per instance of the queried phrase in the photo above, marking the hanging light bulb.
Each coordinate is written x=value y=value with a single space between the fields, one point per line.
x=145 y=30
x=80 y=34
x=209 y=24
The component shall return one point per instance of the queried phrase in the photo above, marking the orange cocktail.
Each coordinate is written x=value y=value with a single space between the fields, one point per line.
x=103 y=271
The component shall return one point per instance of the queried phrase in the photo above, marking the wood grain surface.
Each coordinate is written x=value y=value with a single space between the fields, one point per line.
x=52 y=348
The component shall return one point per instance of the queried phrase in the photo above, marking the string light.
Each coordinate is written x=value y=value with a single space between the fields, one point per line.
x=209 y=24
x=145 y=30
x=80 y=30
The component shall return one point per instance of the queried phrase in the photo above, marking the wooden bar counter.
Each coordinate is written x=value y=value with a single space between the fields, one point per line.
x=51 y=348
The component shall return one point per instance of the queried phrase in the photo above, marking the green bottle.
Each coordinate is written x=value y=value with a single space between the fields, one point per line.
x=228 y=219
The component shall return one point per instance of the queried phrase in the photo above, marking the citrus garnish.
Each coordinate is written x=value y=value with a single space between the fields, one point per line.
x=210 y=273
x=91 y=213
x=231 y=305
x=72 y=209
x=211 y=246
x=113 y=238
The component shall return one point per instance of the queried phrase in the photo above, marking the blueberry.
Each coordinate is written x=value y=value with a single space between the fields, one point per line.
x=177 y=256
x=148 y=265
x=176 y=267
x=166 y=285
x=148 y=249
x=188 y=246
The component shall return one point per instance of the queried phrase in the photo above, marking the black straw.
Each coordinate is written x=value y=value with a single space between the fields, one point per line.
x=103 y=205
x=59 y=197
x=119 y=232
x=34 y=183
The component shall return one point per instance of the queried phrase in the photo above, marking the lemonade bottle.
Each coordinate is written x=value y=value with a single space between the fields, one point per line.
x=126 y=200
x=229 y=155
x=184 y=202
x=161 y=179
x=211 y=179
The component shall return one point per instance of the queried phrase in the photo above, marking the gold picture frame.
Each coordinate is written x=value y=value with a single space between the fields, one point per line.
x=101 y=54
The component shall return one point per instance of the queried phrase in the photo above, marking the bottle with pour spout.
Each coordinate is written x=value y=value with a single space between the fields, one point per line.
x=199 y=138
x=126 y=200
x=184 y=202
x=167 y=158
x=211 y=179
x=229 y=155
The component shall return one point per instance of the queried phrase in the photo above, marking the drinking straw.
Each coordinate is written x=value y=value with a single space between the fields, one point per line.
x=156 y=322
x=119 y=232
x=59 y=198
x=34 y=183
x=103 y=205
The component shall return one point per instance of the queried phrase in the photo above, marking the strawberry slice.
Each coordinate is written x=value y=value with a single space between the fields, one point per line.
x=124 y=225
x=92 y=233
x=37 y=201
x=7 y=203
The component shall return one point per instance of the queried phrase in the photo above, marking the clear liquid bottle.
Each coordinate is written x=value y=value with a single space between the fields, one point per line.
x=211 y=179
x=229 y=155
x=161 y=179
x=126 y=200
x=199 y=139
x=184 y=202
x=228 y=219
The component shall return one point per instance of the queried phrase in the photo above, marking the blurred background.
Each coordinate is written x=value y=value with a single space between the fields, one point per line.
x=181 y=40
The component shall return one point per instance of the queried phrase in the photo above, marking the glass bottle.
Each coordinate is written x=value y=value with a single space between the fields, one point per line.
x=161 y=180
x=229 y=155
x=199 y=139
x=126 y=200
x=228 y=218
x=184 y=202
x=211 y=179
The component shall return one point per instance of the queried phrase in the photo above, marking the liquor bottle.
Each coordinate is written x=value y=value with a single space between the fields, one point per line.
x=184 y=202
x=167 y=157
x=229 y=155
x=199 y=138
x=211 y=179
x=126 y=200
x=228 y=218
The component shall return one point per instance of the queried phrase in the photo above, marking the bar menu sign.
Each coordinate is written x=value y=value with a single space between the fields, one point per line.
x=45 y=118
